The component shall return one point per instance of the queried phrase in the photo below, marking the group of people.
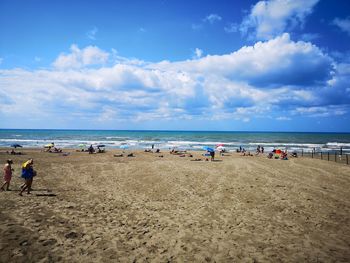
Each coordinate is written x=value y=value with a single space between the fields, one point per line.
x=259 y=149
x=52 y=148
x=278 y=154
x=28 y=173
x=13 y=152
x=92 y=150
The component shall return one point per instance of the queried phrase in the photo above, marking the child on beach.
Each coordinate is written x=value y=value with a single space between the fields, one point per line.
x=27 y=173
x=7 y=175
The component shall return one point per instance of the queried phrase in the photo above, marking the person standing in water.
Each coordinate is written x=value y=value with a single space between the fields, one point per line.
x=7 y=175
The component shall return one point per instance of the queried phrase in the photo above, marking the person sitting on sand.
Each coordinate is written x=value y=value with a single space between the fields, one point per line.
x=13 y=152
x=284 y=155
x=7 y=175
x=27 y=173
x=57 y=150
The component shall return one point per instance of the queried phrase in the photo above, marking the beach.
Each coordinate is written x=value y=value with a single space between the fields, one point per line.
x=158 y=207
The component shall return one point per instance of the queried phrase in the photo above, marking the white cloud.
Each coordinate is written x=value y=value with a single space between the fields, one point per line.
x=197 y=53
x=324 y=111
x=212 y=18
x=272 y=78
x=268 y=19
x=343 y=24
x=78 y=58
x=277 y=62
x=91 y=34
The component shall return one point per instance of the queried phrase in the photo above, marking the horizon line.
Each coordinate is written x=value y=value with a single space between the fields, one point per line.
x=149 y=130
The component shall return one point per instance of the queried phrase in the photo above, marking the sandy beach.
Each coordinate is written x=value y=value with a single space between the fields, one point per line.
x=166 y=208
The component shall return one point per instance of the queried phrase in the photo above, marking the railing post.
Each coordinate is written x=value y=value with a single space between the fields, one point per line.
x=347 y=159
x=341 y=150
x=328 y=155
x=312 y=154
x=335 y=156
x=321 y=156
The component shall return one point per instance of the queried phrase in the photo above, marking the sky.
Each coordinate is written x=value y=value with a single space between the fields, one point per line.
x=234 y=65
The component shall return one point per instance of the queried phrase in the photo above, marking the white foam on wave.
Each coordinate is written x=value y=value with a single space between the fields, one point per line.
x=116 y=137
x=204 y=143
x=183 y=144
x=338 y=144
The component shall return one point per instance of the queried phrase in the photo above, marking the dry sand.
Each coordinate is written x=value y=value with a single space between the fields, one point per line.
x=100 y=208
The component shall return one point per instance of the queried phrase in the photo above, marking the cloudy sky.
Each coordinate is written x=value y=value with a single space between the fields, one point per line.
x=275 y=65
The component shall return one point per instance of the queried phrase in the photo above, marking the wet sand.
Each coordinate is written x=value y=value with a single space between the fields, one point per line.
x=147 y=208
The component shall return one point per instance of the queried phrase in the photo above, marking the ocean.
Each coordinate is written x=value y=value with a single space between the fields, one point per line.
x=186 y=140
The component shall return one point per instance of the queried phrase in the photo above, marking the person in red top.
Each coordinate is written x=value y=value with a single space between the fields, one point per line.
x=7 y=175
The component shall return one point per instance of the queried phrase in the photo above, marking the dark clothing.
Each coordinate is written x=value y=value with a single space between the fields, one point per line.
x=27 y=173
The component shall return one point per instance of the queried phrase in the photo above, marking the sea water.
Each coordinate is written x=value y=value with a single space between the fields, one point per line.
x=186 y=140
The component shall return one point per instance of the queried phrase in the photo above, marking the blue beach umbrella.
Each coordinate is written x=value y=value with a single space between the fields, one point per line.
x=208 y=149
x=16 y=145
x=124 y=146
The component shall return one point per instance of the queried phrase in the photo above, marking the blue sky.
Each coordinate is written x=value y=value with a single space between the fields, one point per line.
x=181 y=65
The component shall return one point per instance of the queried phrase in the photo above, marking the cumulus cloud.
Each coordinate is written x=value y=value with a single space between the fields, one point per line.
x=275 y=78
x=212 y=18
x=274 y=63
x=343 y=24
x=78 y=58
x=268 y=19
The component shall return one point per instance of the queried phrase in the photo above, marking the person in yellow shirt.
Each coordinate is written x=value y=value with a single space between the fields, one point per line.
x=27 y=174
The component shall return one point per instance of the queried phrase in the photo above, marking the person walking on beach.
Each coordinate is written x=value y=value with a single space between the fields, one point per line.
x=27 y=173
x=7 y=175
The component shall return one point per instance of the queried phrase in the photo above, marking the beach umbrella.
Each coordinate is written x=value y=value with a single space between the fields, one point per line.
x=208 y=149
x=220 y=148
x=81 y=145
x=16 y=145
x=124 y=146
x=49 y=145
x=101 y=145
x=220 y=145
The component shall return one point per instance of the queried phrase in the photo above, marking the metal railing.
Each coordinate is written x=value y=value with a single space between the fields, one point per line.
x=335 y=156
